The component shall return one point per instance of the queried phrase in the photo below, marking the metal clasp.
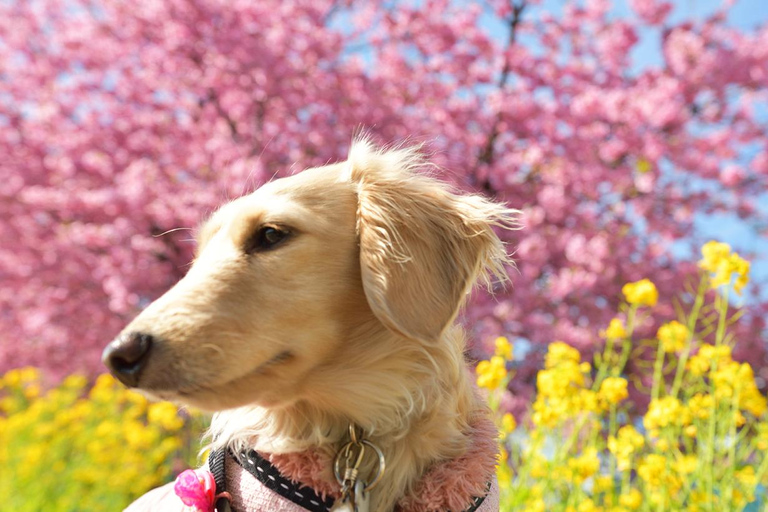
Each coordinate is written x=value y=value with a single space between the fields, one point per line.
x=354 y=490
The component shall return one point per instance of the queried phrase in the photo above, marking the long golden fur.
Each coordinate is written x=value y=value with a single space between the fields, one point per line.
x=349 y=320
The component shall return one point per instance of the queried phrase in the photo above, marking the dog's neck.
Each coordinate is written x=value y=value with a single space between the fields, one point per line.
x=414 y=401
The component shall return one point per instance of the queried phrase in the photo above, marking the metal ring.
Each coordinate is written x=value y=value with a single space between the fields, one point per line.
x=379 y=471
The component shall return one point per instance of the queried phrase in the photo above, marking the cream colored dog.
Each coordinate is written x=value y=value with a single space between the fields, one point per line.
x=323 y=299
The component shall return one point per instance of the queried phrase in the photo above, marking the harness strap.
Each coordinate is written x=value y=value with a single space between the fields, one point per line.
x=268 y=475
x=216 y=461
x=306 y=497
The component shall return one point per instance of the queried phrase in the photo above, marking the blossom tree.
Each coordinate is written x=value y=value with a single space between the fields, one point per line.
x=123 y=124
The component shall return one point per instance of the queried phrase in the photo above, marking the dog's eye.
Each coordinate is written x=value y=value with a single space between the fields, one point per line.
x=266 y=238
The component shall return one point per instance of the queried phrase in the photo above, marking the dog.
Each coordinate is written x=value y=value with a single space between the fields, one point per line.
x=327 y=301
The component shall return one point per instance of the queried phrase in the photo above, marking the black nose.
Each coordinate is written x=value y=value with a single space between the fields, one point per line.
x=127 y=355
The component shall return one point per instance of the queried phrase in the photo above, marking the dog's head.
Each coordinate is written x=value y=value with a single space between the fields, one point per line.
x=286 y=277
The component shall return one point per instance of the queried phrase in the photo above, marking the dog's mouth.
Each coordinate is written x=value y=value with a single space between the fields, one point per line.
x=280 y=358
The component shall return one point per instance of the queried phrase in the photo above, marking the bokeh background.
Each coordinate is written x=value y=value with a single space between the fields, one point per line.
x=628 y=132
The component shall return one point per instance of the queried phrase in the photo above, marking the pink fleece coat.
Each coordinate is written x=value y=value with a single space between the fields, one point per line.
x=448 y=486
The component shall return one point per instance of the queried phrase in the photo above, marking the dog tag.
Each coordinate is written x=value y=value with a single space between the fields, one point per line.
x=357 y=501
x=362 y=498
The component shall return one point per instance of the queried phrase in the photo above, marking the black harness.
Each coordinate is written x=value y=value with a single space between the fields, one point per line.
x=268 y=475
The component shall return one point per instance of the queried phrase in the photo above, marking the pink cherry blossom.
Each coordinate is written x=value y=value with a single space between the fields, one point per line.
x=124 y=124
x=652 y=12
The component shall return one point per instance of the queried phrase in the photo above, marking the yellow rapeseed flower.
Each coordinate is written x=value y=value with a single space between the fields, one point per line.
x=504 y=475
x=504 y=348
x=741 y=267
x=665 y=411
x=559 y=353
x=752 y=401
x=75 y=381
x=602 y=483
x=585 y=465
x=686 y=464
x=654 y=470
x=627 y=442
x=615 y=330
x=641 y=293
x=491 y=373
x=508 y=423
x=700 y=405
x=613 y=390
x=166 y=415
x=746 y=477
x=587 y=505
x=700 y=363
x=673 y=336
x=632 y=500
x=713 y=253
x=718 y=260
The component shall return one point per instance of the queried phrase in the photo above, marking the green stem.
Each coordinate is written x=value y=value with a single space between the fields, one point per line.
x=692 y=320
x=723 y=312
x=657 y=377
x=627 y=341
x=731 y=465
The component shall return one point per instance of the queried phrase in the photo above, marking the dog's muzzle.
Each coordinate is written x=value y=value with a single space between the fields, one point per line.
x=127 y=355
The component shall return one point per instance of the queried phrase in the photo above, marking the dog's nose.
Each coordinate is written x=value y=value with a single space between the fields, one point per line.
x=127 y=355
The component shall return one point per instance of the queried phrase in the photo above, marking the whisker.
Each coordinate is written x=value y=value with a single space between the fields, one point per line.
x=171 y=231
x=245 y=185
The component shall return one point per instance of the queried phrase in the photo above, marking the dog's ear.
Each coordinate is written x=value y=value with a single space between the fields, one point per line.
x=422 y=247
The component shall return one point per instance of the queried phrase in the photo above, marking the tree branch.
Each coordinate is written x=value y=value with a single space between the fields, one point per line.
x=486 y=155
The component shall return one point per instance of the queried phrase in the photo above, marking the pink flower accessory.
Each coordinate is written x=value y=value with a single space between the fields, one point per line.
x=197 y=489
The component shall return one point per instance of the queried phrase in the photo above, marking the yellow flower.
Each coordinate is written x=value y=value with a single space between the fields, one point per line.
x=539 y=467
x=686 y=464
x=559 y=353
x=613 y=390
x=641 y=293
x=664 y=412
x=588 y=506
x=654 y=470
x=75 y=382
x=643 y=165
x=504 y=348
x=504 y=475
x=700 y=363
x=12 y=378
x=585 y=465
x=536 y=505
x=166 y=415
x=491 y=373
x=713 y=254
x=561 y=387
x=741 y=268
x=508 y=423
x=603 y=483
x=752 y=401
x=673 y=336
x=632 y=500
x=627 y=442
x=615 y=330
x=746 y=477
x=718 y=259
x=586 y=400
